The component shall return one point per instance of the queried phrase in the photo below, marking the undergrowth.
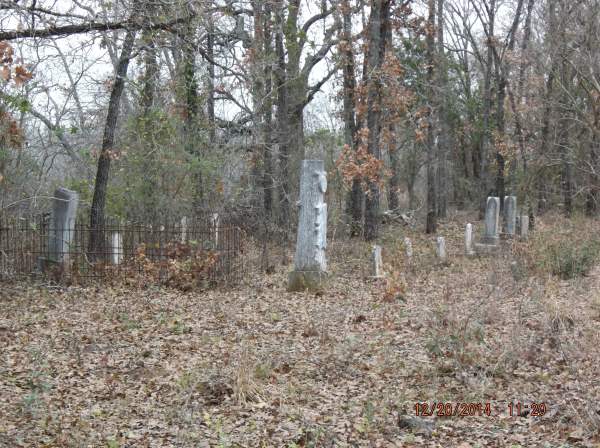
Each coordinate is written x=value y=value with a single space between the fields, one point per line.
x=567 y=253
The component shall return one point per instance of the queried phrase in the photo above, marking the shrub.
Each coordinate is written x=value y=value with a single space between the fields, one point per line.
x=567 y=248
x=569 y=259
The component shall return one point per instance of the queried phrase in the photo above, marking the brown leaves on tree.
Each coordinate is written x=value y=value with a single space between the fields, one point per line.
x=19 y=74
x=361 y=165
x=10 y=132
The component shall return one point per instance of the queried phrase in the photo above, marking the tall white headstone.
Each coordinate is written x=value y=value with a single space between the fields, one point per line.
x=492 y=213
x=469 y=240
x=440 y=248
x=62 y=224
x=310 y=264
x=377 y=262
x=117 y=248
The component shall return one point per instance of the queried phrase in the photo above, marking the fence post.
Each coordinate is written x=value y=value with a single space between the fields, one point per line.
x=62 y=226
x=215 y=221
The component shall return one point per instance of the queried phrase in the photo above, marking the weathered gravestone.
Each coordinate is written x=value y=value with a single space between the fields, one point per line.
x=408 y=248
x=524 y=226
x=184 y=230
x=117 y=248
x=62 y=224
x=61 y=230
x=469 y=240
x=310 y=264
x=376 y=262
x=215 y=222
x=491 y=238
x=440 y=248
x=510 y=215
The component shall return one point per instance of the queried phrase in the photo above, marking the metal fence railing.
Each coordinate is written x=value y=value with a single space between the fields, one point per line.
x=183 y=252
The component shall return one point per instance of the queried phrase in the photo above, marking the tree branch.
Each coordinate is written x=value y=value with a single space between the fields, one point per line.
x=68 y=30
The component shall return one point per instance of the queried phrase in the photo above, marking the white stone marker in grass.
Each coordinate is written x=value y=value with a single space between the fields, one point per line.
x=469 y=240
x=524 y=226
x=440 y=248
x=376 y=262
x=408 y=248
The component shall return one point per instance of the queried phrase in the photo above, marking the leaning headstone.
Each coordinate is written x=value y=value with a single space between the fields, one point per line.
x=62 y=225
x=376 y=262
x=469 y=240
x=510 y=215
x=310 y=264
x=408 y=248
x=490 y=239
x=440 y=248
x=117 y=248
x=524 y=226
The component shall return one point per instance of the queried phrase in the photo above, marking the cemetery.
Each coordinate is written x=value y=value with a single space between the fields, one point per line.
x=299 y=223
x=389 y=327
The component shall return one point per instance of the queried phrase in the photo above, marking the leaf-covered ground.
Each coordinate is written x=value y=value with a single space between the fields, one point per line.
x=258 y=366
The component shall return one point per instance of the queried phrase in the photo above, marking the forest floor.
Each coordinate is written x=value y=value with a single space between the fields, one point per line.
x=120 y=366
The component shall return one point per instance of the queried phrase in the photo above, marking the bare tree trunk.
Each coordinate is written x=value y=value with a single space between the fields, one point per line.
x=548 y=108
x=108 y=140
x=354 y=200
x=378 y=23
x=267 y=175
x=593 y=195
x=149 y=182
x=394 y=183
x=502 y=76
x=519 y=96
x=500 y=188
x=444 y=125
x=431 y=224
x=485 y=142
x=566 y=177
x=210 y=81
x=282 y=120
x=190 y=125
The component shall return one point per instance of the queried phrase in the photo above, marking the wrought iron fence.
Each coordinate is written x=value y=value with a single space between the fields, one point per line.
x=183 y=253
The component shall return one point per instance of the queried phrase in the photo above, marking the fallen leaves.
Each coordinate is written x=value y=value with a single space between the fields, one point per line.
x=158 y=367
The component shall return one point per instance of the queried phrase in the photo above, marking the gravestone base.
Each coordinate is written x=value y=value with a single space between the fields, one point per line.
x=306 y=281
x=486 y=249
x=51 y=269
x=490 y=240
x=44 y=264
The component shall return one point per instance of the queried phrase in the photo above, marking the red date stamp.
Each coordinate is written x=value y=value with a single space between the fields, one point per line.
x=453 y=409
x=524 y=410
x=459 y=409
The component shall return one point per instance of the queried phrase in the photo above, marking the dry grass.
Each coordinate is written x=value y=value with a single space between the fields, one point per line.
x=262 y=367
